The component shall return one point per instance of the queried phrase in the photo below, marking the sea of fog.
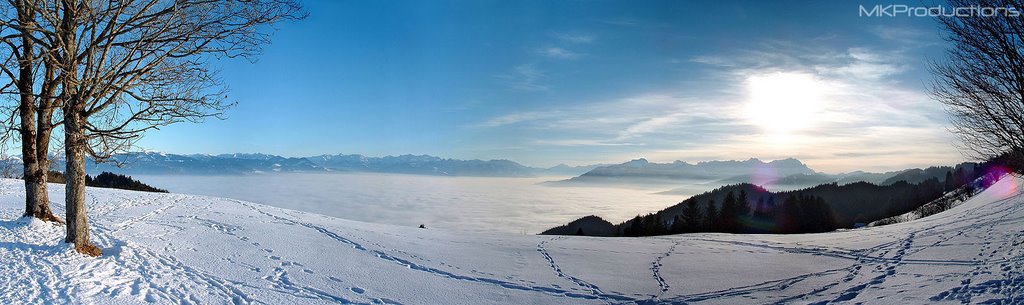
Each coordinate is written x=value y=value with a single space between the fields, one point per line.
x=516 y=205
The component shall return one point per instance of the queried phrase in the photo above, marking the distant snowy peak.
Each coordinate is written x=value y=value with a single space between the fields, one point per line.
x=638 y=163
x=566 y=170
x=248 y=163
x=700 y=170
x=782 y=163
x=782 y=174
x=788 y=162
x=422 y=165
x=224 y=164
x=250 y=156
x=801 y=180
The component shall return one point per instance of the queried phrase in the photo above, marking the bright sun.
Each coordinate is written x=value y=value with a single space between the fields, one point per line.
x=784 y=102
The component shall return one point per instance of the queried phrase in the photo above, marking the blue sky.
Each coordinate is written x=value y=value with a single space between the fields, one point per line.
x=579 y=82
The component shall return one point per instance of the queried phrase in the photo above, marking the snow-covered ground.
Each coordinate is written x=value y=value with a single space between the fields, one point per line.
x=185 y=249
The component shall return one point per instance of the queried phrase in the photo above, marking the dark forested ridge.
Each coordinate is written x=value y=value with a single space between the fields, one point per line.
x=748 y=208
x=108 y=180
x=111 y=180
x=588 y=225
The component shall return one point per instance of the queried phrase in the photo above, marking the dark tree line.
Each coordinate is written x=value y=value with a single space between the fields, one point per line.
x=111 y=180
x=797 y=214
x=108 y=180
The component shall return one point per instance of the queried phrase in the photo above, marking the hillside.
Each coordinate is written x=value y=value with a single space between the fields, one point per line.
x=173 y=248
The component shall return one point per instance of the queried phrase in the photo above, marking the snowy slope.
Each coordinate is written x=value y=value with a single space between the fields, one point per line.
x=184 y=249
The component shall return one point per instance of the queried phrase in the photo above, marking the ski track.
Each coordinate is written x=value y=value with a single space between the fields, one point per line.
x=147 y=260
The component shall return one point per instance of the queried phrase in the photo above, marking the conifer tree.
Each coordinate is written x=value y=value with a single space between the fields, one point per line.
x=728 y=214
x=710 y=216
x=743 y=204
x=788 y=216
x=691 y=217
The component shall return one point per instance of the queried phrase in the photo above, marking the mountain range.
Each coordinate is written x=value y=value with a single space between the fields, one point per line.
x=156 y=163
x=778 y=175
x=783 y=174
x=643 y=170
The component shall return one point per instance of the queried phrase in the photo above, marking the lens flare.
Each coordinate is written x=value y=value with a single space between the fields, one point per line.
x=992 y=179
x=765 y=176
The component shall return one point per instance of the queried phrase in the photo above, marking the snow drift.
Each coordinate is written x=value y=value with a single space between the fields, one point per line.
x=185 y=249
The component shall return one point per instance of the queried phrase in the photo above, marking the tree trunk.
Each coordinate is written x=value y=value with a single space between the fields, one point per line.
x=26 y=113
x=28 y=149
x=75 y=142
x=44 y=128
x=35 y=164
x=35 y=184
x=41 y=209
x=74 y=180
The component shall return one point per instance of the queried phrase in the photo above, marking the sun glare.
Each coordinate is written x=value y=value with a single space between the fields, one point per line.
x=784 y=102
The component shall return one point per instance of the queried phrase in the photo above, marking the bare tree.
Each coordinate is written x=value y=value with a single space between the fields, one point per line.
x=127 y=67
x=981 y=82
x=35 y=110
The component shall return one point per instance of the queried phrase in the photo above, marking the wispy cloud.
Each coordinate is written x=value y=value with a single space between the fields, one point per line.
x=651 y=125
x=629 y=121
x=519 y=117
x=575 y=37
x=528 y=77
x=629 y=22
x=908 y=37
x=525 y=77
x=559 y=53
x=582 y=142
x=866 y=64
